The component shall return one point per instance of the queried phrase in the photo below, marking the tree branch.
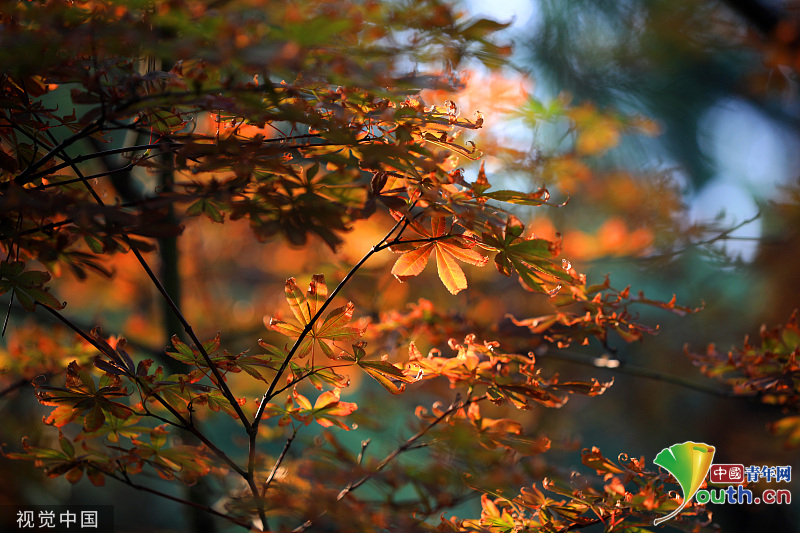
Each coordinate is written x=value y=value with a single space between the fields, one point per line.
x=14 y=386
x=269 y=394
x=409 y=444
x=70 y=161
x=185 y=425
x=637 y=371
x=223 y=387
x=27 y=175
x=126 y=480
x=279 y=461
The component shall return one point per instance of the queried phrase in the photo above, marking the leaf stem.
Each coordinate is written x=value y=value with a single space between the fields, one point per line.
x=398 y=242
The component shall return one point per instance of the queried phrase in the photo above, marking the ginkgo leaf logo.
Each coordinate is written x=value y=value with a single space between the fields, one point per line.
x=689 y=463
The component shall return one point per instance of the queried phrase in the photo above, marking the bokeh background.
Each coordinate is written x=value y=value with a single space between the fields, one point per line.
x=665 y=123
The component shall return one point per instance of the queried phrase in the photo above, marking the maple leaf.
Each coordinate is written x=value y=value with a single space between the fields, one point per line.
x=530 y=257
x=186 y=462
x=305 y=308
x=415 y=256
x=327 y=405
x=391 y=377
x=28 y=285
x=62 y=462
x=81 y=394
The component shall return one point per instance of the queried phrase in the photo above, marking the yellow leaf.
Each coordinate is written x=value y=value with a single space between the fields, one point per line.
x=449 y=272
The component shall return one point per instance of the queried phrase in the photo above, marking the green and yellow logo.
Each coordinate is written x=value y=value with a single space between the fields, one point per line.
x=689 y=463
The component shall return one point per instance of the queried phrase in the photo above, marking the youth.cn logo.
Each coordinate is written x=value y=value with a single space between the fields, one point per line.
x=689 y=463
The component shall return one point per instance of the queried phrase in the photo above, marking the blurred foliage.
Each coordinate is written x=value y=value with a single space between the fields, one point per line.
x=261 y=143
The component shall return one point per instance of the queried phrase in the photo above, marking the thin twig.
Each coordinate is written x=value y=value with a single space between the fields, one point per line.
x=126 y=480
x=307 y=329
x=397 y=242
x=724 y=235
x=278 y=462
x=43 y=186
x=410 y=443
x=145 y=202
x=14 y=386
x=184 y=423
x=253 y=430
x=188 y=426
x=70 y=161
x=27 y=175
x=406 y=446
x=638 y=371
x=220 y=381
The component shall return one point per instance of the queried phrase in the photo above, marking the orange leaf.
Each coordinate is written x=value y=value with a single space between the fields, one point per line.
x=414 y=260
x=326 y=399
x=297 y=302
x=449 y=272
x=412 y=263
x=464 y=254
x=301 y=400
x=317 y=293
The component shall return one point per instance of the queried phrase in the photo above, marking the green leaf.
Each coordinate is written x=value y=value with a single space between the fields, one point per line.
x=514 y=197
x=482 y=28
x=66 y=445
x=28 y=286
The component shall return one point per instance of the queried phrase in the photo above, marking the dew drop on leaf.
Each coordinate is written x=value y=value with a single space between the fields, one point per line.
x=554 y=292
x=566 y=265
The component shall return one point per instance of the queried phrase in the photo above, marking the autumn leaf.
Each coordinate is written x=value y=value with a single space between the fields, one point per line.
x=391 y=377
x=415 y=256
x=27 y=285
x=82 y=396
x=325 y=411
x=530 y=257
x=335 y=327
x=504 y=433
x=186 y=462
x=56 y=462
